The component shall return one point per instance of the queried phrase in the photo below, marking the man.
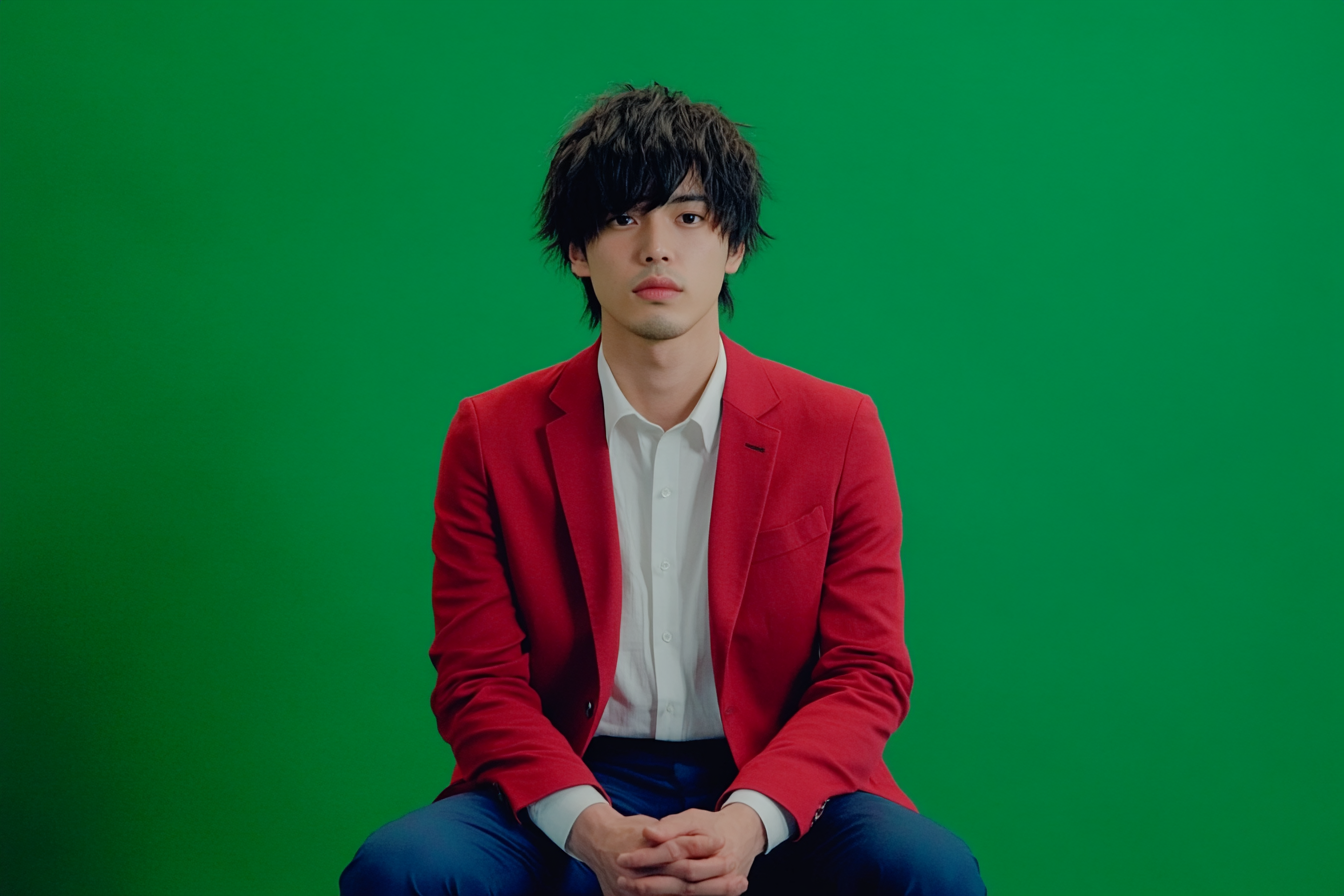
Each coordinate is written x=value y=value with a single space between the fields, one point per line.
x=667 y=591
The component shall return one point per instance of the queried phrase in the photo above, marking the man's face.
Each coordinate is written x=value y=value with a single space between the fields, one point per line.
x=657 y=272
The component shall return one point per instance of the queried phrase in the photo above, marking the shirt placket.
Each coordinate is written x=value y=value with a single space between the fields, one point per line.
x=670 y=718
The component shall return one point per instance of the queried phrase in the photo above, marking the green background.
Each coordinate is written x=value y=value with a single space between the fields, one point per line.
x=1088 y=258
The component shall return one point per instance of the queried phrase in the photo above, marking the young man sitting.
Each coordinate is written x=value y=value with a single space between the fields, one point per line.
x=667 y=589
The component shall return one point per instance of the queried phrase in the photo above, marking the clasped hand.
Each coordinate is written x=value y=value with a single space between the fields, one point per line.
x=692 y=852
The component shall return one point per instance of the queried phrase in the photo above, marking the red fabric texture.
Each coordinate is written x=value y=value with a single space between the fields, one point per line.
x=805 y=595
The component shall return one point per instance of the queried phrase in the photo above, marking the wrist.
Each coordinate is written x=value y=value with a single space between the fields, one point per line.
x=746 y=817
x=587 y=826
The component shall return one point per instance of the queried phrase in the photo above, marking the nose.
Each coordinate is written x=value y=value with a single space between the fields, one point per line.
x=655 y=245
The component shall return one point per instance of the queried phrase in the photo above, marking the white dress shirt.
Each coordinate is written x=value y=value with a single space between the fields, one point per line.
x=663 y=483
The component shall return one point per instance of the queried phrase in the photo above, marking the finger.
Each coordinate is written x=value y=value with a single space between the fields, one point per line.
x=695 y=870
x=666 y=830
x=696 y=821
x=674 y=826
x=734 y=885
x=731 y=885
x=691 y=846
x=649 y=886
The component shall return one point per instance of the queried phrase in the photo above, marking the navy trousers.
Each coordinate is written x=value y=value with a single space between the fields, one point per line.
x=470 y=845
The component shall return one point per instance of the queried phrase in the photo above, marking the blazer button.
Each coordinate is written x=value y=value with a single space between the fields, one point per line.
x=588 y=710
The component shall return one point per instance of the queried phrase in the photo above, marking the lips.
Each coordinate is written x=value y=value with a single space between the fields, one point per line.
x=657 y=289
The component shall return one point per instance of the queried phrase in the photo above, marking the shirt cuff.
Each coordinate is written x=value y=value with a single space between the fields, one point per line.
x=779 y=824
x=555 y=814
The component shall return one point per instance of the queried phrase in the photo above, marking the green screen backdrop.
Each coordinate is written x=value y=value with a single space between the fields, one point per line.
x=1088 y=259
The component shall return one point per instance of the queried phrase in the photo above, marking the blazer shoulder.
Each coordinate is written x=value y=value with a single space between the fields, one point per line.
x=529 y=386
x=522 y=401
x=818 y=400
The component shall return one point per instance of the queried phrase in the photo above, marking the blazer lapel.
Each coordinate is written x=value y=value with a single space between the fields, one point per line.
x=582 y=465
x=747 y=449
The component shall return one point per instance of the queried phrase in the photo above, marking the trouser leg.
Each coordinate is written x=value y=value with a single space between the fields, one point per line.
x=865 y=845
x=464 y=845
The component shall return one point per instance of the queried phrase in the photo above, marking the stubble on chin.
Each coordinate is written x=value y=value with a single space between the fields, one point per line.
x=658 y=329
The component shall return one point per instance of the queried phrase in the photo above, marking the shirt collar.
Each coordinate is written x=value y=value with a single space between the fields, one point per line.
x=705 y=415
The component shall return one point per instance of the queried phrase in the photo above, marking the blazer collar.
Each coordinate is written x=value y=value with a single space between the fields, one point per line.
x=577 y=388
x=748 y=388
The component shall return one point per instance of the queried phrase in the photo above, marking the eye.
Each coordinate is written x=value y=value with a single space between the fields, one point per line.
x=621 y=220
x=690 y=217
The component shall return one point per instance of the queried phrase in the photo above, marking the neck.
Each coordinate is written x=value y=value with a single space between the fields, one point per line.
x=663 y=378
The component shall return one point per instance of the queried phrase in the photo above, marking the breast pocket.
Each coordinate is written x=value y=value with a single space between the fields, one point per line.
x=804 y=530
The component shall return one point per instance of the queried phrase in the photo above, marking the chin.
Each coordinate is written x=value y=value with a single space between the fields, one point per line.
x=658 y=328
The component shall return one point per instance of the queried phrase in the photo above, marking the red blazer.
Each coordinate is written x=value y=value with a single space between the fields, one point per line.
x=805 y=596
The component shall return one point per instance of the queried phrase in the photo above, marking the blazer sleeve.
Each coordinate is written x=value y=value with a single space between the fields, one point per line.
x=486 y=708
x=860 y=685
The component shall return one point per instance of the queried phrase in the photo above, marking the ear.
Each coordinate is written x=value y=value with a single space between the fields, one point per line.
x=578 y=262
x=735 y=259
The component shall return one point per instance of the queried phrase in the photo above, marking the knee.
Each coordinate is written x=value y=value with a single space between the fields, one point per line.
x=386 y=864
x=943 y=866
x=463 y=844
x=898 y=870
x=400 y=859
x=893 y=850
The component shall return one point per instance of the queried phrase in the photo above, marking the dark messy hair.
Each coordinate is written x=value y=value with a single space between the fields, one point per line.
x=631 y=149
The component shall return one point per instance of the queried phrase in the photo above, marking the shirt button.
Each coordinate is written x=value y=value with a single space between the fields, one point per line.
x=669 y=708
x=666 y=492
x=667 y=637
x=664 y=565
